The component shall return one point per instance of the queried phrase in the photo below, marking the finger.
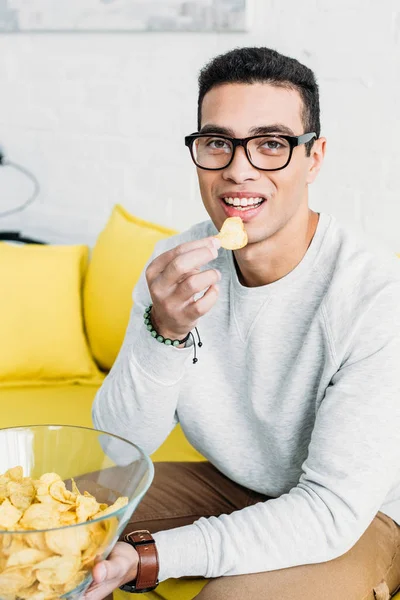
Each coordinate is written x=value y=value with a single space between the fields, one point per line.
x=100 y=572
x=106 y=575
x=107 y=569
x=180 y=267
x=192 y=272
x=158 y=265
x=195 y=310
x=196 y=283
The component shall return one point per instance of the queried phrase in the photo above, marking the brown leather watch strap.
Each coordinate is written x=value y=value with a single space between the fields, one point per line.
x=148 y=567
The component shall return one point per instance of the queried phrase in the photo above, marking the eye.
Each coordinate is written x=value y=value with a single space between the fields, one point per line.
x=272 y=143
x=217 y=144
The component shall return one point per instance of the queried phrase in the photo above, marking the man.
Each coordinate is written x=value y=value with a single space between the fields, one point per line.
x=295 y=398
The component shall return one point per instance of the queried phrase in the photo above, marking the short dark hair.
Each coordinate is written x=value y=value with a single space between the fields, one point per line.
x=263 y=65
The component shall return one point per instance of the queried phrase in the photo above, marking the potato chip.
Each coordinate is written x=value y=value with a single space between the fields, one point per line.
x=15 y=474
x=54 y=505
x=88 y=494
x=233 y=234
x=43 y=484
x=4 y=481
x=27 y=557
x=98 y=541
x=90 y=555
x=21 y=493
x=86 y=507
x=76 y=580
x=58 y=569
x=74 y=487
x=9 y=515
x=58 y=491
x=49 y=478
x=40 y=516
x=35 y=540
x=70 y=541
x=51 y=591
x=33 y=593
x=119 y=503
x=13 y=580
x=97 y=533
x=12 y=544
x=67 y=518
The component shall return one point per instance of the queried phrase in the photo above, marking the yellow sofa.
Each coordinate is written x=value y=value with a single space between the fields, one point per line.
x=64 y=322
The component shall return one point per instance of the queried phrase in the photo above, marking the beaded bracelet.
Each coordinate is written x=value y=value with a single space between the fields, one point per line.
x=167 y=341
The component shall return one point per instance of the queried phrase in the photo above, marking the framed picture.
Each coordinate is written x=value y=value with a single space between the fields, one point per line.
x=122 y=15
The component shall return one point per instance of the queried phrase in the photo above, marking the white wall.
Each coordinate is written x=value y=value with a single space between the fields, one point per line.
x=100 y=118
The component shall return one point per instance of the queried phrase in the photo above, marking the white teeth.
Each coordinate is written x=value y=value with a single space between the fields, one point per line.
x=243 y=202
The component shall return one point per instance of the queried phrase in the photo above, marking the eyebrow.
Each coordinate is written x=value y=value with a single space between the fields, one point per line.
x=260 y=130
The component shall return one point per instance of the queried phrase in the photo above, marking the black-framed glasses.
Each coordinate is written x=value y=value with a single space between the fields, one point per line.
x=267 y=152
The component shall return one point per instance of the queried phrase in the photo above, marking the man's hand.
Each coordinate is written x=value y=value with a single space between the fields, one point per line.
x=108 y=575
x=174 y=278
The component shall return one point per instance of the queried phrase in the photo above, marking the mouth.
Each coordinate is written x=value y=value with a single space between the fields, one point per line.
x=243 y=204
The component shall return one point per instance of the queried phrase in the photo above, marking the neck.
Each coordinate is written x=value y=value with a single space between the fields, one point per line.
x=271 y=259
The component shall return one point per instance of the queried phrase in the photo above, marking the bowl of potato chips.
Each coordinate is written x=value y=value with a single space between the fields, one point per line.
x=66 y=495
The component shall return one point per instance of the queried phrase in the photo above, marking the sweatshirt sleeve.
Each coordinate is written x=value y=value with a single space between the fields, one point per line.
x=352 y=466
x=138 y=398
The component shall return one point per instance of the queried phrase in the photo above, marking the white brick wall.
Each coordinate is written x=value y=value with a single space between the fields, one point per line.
x=101 y=118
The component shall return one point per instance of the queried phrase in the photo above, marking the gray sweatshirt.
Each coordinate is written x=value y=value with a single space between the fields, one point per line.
x=296 y=395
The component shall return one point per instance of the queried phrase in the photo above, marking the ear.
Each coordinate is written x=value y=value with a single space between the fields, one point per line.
x=316 y=158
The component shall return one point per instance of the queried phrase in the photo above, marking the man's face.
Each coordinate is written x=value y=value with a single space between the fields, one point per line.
x=240 y=109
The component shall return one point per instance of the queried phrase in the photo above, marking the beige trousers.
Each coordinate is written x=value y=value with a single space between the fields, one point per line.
x=183 y=492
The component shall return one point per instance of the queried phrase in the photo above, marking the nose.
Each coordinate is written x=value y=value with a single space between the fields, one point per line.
x=240 y=169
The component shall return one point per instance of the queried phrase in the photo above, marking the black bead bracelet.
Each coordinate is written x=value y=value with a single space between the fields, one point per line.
x=156 y=335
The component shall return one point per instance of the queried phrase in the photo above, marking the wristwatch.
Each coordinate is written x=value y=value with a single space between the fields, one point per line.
x=148 y=567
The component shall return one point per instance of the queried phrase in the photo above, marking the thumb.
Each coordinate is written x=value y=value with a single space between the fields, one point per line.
x=106 y=570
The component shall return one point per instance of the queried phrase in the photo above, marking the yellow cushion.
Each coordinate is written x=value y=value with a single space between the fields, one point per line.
x=42 y=339
x=120 y=253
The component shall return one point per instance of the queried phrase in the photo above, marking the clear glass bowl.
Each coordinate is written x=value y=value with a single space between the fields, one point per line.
x=44 y=561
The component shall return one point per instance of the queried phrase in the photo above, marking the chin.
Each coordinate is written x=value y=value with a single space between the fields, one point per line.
x=254 y=237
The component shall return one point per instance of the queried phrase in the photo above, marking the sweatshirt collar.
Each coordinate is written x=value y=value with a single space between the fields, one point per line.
x=304 y=266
